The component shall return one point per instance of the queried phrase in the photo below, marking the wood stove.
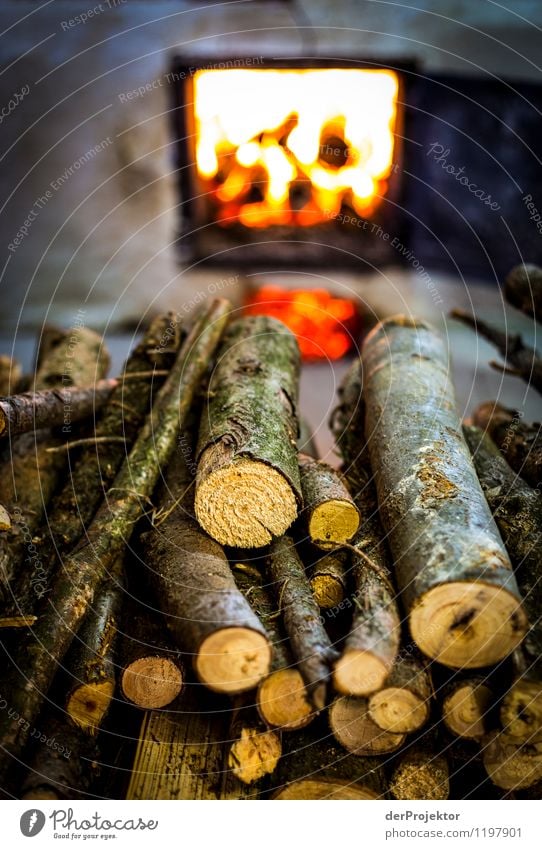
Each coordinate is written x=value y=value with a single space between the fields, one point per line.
x=288 y=162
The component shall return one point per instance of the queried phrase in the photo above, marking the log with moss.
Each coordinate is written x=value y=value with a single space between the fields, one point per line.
x=421 y=771
x=253 y=748
x=32 y=473
x=310 y=644
x=353 y=727
x=64 y=763
x=518 y=512
x=314 y=767
x=519 y=442
x=82 y=572
x=520 y=359
x=453 y=571
x=151 y=673
x=329 y=578
x=191 y=580
x=523 y=289
x=403 y=703
x=248 y=488
x=281 y=696
x=510 y=764
x=93 y=467
x=50 y=408
x=90 y=662
x=10 y=375
x=329 y=514
x=372 y=642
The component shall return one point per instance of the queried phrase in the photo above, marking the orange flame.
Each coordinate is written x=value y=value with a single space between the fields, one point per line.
x=294 y=146
x=325 y=327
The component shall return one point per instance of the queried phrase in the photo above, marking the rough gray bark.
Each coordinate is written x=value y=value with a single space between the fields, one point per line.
x=519 y=442
x=310 y=643
x=452 y=568
x=518 y=512
x=248 y=488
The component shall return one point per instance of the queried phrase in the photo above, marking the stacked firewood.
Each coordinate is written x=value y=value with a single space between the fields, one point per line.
x=285 y=630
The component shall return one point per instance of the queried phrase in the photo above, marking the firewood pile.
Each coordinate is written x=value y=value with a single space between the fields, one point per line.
x=194 y=606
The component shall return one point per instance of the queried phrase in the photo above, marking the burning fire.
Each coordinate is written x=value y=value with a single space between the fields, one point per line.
x=325 y=326
x=293 y=146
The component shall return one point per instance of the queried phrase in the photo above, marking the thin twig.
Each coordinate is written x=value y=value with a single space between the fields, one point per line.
x=91 y=440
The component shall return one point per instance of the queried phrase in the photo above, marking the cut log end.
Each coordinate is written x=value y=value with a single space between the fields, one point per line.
x=327 y=590
x=283 y=702
x=417 y=777
x=510 y=765
x=233 y=660
x=5 y=519
x=88 y=704
x=359 y=673
x=467 y=625
x=333 y=522
x=152 y=682
x=254 y=755
x=245 y=503
x=322 y=790
x=398 y=710
x=521 y=711
x=354 y=729
x=465 y=709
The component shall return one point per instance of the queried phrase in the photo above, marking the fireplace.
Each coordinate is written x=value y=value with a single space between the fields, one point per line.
x=288 y=161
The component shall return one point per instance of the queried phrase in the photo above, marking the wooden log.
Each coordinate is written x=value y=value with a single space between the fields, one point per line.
x=466 y=707
x=92 y=471
x=403 y=704
x=329 y=513
x=520 y=443
x=151 y=674
x=91 y=658
x=248 y=488
x=10 y=375
x=65 y=763
x=455 y=576
x=180 y=752
x=253 y=749
x=314 y=767
x=421 y=771
x=372 y=643
x=509 y=764
x=309 y=641
x=329 y=578
x=518 y=512
x=207 y=616
x=27 y=486
x=52 y=407
x=353 y=728
x=75 y=585
x=523 y=360
x=281 y=697
x=523 y=289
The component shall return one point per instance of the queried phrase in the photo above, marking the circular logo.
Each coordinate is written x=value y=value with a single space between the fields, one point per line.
x=32 y=822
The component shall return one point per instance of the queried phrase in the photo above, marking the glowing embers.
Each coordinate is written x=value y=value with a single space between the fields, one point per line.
x=326 y=327
x=293 y=147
